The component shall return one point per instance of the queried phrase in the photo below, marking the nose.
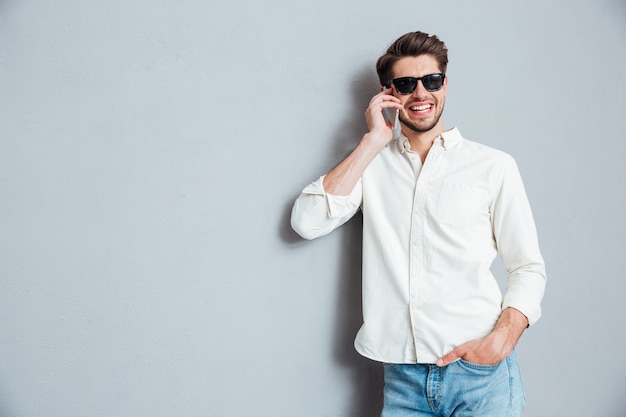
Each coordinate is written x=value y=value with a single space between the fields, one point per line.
x=420 y=91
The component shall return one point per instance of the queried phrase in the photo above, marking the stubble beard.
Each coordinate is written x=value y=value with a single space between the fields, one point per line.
x=422 y=128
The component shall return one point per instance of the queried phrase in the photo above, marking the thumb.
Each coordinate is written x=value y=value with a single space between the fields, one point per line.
x=450 y=357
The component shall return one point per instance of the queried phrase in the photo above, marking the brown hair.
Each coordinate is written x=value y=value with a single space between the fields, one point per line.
x=411 y=44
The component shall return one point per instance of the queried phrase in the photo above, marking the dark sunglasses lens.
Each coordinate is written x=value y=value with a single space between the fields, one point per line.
x=433 y=82
x=405 y=85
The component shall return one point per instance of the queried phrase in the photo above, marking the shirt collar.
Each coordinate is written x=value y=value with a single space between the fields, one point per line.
x=447 y=139
x=451 y=138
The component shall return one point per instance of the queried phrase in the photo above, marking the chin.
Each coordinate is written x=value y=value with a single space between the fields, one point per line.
x=420 y=128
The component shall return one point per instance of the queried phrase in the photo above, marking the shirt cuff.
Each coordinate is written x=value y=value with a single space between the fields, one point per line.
x=338 y=206
x=526 y=297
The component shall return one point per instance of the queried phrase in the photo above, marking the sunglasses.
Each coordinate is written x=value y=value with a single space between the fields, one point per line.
x=406 y=85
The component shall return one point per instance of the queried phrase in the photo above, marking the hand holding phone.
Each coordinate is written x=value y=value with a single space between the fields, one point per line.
x=381 y=115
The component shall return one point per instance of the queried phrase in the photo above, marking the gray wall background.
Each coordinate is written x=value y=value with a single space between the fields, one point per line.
x=150 y=153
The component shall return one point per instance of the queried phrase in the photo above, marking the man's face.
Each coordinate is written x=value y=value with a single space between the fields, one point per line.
x=422 y=108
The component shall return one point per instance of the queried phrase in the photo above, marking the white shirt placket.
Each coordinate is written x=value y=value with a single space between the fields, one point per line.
x=416 y=247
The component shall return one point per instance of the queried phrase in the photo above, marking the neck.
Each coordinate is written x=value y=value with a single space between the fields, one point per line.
x=421 y=142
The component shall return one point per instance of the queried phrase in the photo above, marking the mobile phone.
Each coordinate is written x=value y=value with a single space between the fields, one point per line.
x=392 y=117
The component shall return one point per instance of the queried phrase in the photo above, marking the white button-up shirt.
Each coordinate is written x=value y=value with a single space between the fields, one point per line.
x=430 y=235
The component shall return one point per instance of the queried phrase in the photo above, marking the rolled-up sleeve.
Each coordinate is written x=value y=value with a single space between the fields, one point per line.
x=317 y=213
x=516 y=238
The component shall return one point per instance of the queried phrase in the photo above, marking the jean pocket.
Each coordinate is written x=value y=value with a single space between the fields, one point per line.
x=478 y=366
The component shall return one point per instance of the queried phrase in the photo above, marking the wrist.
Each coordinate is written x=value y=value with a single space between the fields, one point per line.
x=374 y=141
x=509 y=328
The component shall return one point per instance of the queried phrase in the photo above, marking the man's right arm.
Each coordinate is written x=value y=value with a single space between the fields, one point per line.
x=342 y=179
x=332 y=200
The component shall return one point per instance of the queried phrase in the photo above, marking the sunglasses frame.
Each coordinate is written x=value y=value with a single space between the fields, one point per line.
x=417 y=80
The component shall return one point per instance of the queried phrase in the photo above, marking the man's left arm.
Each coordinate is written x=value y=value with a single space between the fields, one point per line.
x=516 y=236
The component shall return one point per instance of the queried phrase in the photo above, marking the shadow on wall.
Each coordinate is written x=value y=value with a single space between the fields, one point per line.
x=367 y=376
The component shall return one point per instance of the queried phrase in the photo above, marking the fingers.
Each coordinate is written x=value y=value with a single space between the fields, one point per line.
x=450 y=357
x=482 y=351
x=384 y=99
x=377 y=126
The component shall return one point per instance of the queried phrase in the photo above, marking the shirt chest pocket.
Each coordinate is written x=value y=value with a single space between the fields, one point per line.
x=461 y=204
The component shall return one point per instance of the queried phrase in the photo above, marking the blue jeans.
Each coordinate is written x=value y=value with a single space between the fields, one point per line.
x=461 y=389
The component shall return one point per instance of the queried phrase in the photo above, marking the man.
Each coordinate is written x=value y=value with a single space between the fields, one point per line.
x=437 y=209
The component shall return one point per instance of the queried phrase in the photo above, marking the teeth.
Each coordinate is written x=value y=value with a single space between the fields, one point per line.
x=420 y=108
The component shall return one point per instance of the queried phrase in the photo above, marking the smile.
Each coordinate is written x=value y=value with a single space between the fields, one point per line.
x=423 y=107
